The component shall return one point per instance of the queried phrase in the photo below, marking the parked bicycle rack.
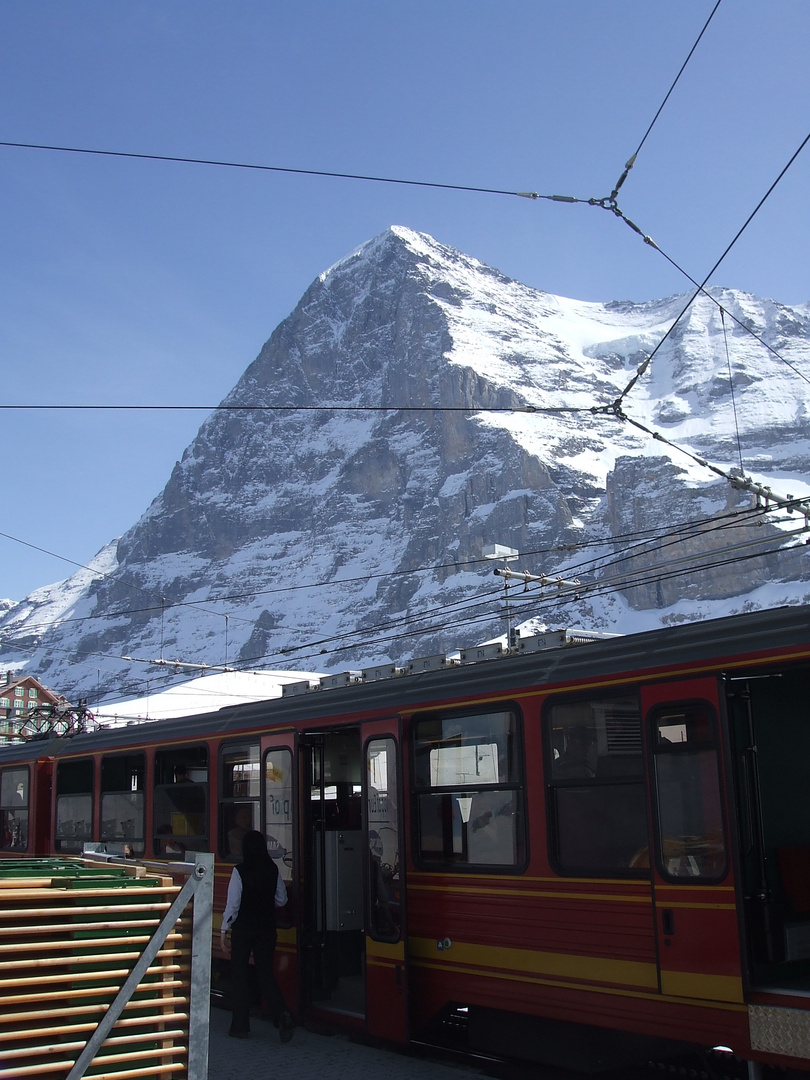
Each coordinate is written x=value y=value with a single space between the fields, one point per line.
x=104 y=973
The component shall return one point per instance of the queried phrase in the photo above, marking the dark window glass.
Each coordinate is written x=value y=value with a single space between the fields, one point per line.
x=598 y=818
x=382 y=800
x=239 y=804
x=74 y=805
x=691 y=837
x=14 y=809
x=122 y=801
x=469 y=790
x=180 y=816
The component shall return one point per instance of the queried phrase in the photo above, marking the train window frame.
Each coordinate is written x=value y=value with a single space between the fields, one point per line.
x=231 y=808
x=133 y=762
x=74 y=844
x=170 y=765
x=424 y=792
x=15 y=808
x=591 y=784
x=677 y=860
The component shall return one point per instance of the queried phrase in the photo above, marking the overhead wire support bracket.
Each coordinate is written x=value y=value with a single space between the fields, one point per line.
x=609 y=203
x=177 y=664
x=766 y=494
x=739 y=481
x=541 y=579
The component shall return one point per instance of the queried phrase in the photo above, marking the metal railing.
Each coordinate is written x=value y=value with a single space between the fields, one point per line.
x=103 y=971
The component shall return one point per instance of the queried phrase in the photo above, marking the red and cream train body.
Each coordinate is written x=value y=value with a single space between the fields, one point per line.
x=586 y=852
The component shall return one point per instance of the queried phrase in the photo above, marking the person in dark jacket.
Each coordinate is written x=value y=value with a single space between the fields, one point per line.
x=254 y=892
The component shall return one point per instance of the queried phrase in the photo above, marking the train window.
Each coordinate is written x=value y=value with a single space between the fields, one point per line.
x=691 y=837
x=469 y=791
x=74 y=805
x=278 y=808
x=595 y=782
x=122 y=800
x=14 y=809
x=180 y=814
x=383 y=840
x=239 y=807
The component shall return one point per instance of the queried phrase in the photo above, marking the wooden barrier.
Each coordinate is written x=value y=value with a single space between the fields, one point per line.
x=88 y=946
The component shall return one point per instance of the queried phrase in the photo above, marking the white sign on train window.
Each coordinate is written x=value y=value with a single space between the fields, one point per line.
x=464 y=766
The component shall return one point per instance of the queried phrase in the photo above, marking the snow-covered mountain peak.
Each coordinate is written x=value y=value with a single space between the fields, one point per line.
x=415 y=406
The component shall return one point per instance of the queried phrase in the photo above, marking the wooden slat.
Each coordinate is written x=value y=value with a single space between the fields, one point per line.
x=48 y=995
x=154 y=1070
x=85 y=976
x=46 y=962
x=92 y=894
x=87 y=943
x=77 y=909
x=30 y=883
x=126 y=1040
x=86 y=1010
x=179 y=1020
x=112 y=1059
x=50 y=928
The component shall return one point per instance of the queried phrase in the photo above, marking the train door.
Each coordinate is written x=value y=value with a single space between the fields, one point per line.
x=770 y=734
x=352 y=934
x=696 y=914
x=332 y=909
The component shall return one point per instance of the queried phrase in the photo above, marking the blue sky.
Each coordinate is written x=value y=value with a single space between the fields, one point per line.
x=145 y=282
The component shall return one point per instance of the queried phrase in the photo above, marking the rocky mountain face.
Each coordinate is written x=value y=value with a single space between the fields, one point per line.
x=415 y=407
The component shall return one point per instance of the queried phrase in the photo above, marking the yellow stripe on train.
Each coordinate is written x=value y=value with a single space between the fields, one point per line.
x=535 y=962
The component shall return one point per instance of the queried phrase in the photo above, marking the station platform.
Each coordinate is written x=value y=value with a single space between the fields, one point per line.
x=311 y=1056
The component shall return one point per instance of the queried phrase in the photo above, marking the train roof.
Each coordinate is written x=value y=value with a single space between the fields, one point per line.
x=732 y=639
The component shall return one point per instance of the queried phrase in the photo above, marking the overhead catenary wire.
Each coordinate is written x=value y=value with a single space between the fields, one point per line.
x=655 y=576
x=731 y=388
x=615 y=406
x=632 y=160
x=547 y=601
x=597 y=589
x=330 y=174
x=644 y=548
x=742 y=325
x=733 y=518
x=456 y=187
x=84 y=407
x=641 y=536
x=485 y=600
x=608 y=203
x=98 y=574
x=593 y=588
x=693 y=560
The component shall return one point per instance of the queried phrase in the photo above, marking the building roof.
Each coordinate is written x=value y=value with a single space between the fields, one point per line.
x=12 y=680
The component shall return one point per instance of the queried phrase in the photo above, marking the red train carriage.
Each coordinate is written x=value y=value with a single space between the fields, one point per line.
x=586 y=852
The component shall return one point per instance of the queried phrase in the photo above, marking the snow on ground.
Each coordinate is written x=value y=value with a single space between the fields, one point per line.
x=202 y=695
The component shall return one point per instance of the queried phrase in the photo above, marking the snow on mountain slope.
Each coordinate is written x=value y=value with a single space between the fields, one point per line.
x=333 y=513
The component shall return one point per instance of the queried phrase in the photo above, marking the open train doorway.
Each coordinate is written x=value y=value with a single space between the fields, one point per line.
x=769 y=719
x=333 y=938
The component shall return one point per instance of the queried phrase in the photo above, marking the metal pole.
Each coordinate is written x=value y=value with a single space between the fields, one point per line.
x=199 y=1011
